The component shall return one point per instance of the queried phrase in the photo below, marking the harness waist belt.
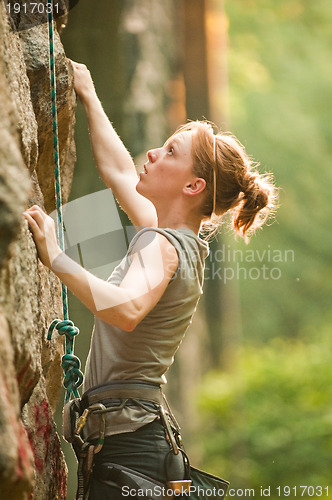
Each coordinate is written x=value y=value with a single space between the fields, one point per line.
x=135 y=389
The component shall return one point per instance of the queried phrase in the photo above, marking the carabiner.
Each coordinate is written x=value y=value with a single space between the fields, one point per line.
x=170 y=436
x=101 y=410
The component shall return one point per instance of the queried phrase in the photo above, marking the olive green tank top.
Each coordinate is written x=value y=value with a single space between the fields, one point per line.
x=148 y=351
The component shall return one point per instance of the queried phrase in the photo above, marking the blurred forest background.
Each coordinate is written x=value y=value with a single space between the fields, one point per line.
x=252 y=383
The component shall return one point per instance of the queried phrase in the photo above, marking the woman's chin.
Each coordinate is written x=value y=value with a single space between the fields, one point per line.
x=140 y=189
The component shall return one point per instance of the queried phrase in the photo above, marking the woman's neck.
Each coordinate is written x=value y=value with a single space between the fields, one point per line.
x=179 y=220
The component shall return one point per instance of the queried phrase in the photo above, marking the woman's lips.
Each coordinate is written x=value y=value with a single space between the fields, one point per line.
x=145 y=171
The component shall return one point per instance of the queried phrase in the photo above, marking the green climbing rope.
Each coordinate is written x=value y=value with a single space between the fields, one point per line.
x=71 y=364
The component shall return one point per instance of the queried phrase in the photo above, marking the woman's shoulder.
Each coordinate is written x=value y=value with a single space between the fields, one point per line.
x=183 y=239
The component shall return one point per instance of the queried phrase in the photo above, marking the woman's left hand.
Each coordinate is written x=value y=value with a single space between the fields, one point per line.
x=43 y=230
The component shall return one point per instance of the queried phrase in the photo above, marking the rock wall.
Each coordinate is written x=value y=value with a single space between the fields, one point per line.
x=32 y=465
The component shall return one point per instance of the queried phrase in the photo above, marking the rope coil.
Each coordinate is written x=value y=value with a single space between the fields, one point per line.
x=71 y=364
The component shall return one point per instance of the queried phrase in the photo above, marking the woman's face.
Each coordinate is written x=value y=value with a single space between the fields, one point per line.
x=168 y=169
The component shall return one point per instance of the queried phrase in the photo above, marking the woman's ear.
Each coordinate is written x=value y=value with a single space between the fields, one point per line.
x=197 y=186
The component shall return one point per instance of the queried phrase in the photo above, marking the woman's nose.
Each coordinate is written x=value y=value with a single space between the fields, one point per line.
x=152 y=155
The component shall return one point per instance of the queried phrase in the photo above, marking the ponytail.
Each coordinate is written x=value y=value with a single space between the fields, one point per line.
x=257 y=202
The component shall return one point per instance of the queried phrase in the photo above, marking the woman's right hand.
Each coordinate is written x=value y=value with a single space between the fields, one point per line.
x=83 y=83
x=43 y=230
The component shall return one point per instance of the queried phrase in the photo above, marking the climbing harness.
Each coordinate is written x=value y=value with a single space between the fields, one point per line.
x=102 y=400
x=71 y=364
x=115 y=396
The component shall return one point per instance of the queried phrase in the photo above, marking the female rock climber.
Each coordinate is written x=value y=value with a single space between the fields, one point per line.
x=143 y=310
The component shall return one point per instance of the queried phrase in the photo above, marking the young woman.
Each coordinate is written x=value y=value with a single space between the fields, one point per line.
x=143 y=310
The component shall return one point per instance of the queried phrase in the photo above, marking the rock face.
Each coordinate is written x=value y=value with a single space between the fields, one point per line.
x=31 y=461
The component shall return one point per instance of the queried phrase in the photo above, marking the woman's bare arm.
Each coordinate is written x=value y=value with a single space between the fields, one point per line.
x=153 y=265
x=114 y=163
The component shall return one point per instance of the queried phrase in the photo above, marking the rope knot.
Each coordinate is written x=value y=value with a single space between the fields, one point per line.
x=73 y=378
x=71 y=364
x=65 y=327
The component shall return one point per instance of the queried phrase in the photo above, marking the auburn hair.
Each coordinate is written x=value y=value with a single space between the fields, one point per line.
x=240 y=189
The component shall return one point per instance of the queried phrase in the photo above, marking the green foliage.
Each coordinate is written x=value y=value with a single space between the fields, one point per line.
x=280 y=80
x=269 y=421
